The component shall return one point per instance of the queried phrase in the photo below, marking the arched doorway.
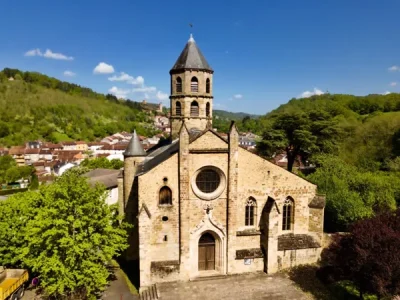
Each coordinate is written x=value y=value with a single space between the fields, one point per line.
x=206 y=252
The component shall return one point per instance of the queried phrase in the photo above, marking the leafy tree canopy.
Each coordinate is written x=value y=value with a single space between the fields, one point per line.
x=102 y=163
x=65 y=233
x=352 y=194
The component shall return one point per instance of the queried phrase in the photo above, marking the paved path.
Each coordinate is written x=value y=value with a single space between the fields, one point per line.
x=118 y=289
x=256 y=286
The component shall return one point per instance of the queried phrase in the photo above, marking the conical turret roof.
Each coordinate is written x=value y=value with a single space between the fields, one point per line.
x=191 y=58
x=134 y=147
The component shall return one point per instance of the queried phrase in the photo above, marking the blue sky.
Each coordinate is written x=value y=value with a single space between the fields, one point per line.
x=263 y=52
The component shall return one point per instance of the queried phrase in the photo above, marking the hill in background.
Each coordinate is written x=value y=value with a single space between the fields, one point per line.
x=34 y=106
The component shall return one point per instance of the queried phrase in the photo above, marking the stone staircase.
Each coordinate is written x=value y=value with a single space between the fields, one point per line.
x=150 y=293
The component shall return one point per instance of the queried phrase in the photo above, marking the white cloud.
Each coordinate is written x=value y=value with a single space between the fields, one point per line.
x=59 y=56
x=34 y=52
x=48 y=54
x=386 y=93
x=307 y=94
x=393 y=84
x=161 y=96
x=238 y=96
x=119 y=93
x=128 y=79
x=148 y=92
x=394 y=68
x=145 y=89
x=69 y=73
x=103 y=68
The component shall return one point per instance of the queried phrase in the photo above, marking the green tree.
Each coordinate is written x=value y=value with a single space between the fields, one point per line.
x=65 y=232
x=15 y=213
x=300 y=134
x=34 y=182
x=102 y=163
x=352 y=195
x=13 y=174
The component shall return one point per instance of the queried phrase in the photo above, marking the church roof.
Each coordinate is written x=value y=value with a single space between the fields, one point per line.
x=191 y=58
x=158 y=156
x=134 y=148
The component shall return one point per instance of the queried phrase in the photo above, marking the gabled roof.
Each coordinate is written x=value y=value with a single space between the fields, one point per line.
x=157 y=156
x=134 y=147
x=191 y=58
x=194 y=134
x=104 y=176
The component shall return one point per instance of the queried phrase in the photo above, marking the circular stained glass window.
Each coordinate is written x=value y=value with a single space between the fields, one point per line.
x=208 y=180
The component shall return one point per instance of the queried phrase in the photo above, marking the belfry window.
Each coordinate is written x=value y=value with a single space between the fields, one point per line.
x=178 y=109
x=208 y=85
x=178 y=85
x=194 y=85
x=287 y=214
x=165 y=196
x=251 y=211
x=194 y=109
x=208 y=109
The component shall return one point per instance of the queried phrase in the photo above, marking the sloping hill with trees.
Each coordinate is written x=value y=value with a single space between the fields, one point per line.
x=34 y=106
x=355 y=143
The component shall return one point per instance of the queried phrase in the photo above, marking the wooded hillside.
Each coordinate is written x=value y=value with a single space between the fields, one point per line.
x=353 y=141
x=34 y=106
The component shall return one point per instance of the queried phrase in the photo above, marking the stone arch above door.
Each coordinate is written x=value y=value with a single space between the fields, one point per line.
x=208 y=226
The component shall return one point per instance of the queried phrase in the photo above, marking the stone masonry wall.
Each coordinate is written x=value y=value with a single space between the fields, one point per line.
x=159 y=238
x=291 y=258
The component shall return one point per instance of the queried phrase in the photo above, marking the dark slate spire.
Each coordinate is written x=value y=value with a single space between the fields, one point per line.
x=191 y=58
x=134 y=147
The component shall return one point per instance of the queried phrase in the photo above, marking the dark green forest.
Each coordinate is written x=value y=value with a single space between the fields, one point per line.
x=34 y=106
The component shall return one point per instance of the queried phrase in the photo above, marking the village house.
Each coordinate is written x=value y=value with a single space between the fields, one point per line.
x=93 y=146
x=108 y=178
x=80 y=145
x=45 y=154
x=51 y=146
x=202 y=205
x=31 y=155
x=18 y=153
x=111 y=149
x=151 y=107
x=69 y=146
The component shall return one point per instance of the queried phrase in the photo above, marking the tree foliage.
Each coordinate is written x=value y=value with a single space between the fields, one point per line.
x=352 y=194
x=299 y=133
x=102 y=163
x=65 y=232
x=370 y=255
x=10 y=172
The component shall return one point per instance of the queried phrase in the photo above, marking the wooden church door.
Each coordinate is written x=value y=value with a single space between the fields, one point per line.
x=206 y=252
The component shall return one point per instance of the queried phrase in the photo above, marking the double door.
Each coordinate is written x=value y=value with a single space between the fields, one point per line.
x=206 y=257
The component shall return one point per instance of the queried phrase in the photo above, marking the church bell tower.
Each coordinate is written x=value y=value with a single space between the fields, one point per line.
x=191 y=90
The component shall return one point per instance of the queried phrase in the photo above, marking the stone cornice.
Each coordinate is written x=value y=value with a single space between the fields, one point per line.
x=194 y=95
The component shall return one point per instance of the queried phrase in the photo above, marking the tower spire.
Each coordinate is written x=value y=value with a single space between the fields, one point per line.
x=134 y=147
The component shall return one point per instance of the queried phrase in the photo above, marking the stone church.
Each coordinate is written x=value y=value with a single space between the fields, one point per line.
x=202 y=205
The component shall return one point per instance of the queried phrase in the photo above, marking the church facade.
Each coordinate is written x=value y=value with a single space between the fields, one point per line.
x=202 y=205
